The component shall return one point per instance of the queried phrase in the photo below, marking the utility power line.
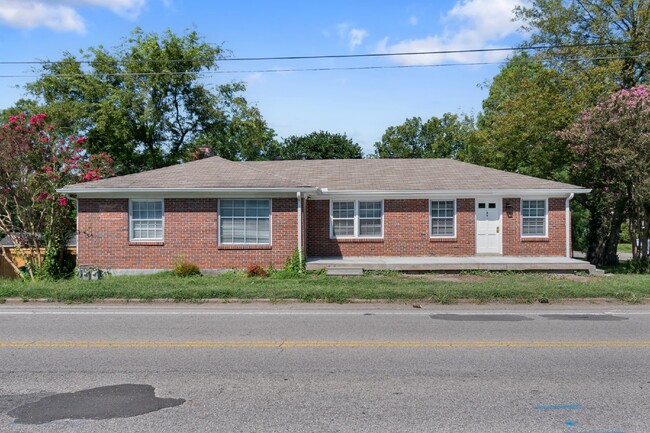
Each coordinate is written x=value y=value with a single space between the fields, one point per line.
x=312 y=69
x=338 y=56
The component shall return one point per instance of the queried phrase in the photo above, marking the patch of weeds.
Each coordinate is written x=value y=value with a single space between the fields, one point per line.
x=295 y=263
x=543 y=298
x=384 y=273
x=474 y=272
x=629 y=297
x=2 y=300
x=337 y=298
x=186 y=269
x=308 y=297
x=283 y=274
x=318 y=272
x=444 y=299
x=256 y=271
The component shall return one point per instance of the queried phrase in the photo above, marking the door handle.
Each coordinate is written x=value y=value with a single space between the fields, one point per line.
x=497 y=229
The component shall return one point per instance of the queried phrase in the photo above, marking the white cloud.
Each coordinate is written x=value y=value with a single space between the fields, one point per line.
x=470 y=24
x=352 y=35
x=31 y=14
x=254 y=78
x=356 y=37
x=61 y=15
x=126 y=8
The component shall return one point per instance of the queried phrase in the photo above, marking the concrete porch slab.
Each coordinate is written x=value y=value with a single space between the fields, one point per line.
x=453 y=264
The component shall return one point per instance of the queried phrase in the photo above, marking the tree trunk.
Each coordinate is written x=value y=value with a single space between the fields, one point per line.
x=604 y=234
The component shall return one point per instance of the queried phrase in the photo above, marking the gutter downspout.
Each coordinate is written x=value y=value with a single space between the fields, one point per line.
x=299 y=198
x=568 y=224
x=76 y=228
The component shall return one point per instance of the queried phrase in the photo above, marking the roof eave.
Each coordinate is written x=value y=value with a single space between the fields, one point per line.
x=93 y=191
x=515 y=192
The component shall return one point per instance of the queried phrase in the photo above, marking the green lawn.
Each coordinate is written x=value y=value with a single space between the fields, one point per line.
x=624 y=248
x=518 y=287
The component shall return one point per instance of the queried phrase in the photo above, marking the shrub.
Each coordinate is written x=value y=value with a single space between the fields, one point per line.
x=637 y=266
x=186 y=269
x=256 y=271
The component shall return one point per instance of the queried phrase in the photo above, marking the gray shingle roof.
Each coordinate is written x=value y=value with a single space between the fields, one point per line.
x=402 y=175
x=335 y=175
x=211 y=172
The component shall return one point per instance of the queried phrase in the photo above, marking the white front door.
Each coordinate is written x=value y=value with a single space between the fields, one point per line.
x=488 y=225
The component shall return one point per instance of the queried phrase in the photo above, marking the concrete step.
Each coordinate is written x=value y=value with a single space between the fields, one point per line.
x=344 y=271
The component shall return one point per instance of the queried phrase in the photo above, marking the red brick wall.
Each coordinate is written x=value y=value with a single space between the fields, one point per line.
x=406 y=232
x=553 y=245
x=406 y=227
x=190 y=231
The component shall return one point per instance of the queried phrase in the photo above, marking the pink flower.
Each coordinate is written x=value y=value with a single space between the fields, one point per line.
x=81 y=140
x=63 y=201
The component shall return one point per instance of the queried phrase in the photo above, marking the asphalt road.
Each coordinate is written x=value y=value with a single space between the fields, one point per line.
x=329 y=368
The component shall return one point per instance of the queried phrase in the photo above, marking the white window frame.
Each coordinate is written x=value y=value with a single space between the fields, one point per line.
x=431 y=235
x=148 y=200
x=220 y=241
x=356 y=218
x=521 y=216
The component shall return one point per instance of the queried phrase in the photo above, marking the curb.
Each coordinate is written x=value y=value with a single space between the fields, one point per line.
x=593 y=301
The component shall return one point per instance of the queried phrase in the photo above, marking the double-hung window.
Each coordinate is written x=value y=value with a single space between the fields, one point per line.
x=146 y=220
x=533 y=218
x=357 y=219
x=246 y=222
x=443 y=218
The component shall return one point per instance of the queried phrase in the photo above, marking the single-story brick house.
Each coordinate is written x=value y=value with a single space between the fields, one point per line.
x=221 y=214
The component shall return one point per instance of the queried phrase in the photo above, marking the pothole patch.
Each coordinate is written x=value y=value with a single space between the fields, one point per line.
x=105 y=402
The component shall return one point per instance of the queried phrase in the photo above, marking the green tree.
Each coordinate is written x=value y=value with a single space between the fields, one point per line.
x=603 y=44
x=317 y=145
x=144 y=102
x=34 y=162
x=438 y=137
x=526 y=104
x=246 y=136
x=598 y=47
x=611 y=142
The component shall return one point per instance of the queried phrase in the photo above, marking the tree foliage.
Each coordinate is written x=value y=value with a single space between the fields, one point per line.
x=602 y=43
x=438 y=137
x=34 y=162
x=611 y=142
x=317 y=145
x=145 y=102
x=527 y=103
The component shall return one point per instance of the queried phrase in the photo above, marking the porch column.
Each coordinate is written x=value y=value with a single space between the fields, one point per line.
x=568 y=224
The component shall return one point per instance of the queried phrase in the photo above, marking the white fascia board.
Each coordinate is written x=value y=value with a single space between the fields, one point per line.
x=181 y=192
x=463 y=193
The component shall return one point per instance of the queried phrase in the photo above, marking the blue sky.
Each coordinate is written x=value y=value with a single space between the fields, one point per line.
x=360 y=103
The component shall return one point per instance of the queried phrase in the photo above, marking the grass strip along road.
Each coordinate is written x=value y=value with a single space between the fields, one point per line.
x=440 y=288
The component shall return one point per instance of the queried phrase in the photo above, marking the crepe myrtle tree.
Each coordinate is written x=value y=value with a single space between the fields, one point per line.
x=35 y=161
x=611 y=144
